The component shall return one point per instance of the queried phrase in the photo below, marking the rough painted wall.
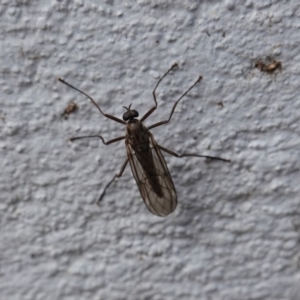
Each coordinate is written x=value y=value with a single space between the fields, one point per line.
x=235 y=232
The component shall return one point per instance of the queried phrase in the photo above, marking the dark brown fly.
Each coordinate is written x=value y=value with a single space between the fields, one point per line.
x=147 y=163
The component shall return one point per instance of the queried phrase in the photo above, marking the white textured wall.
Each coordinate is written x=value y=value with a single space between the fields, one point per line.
x=235 y=233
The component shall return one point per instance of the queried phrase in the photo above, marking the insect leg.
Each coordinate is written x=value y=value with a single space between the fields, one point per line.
x=118 y=175
x=191 y=154
x=100 y=137
x=174 y=106
x=149 y=112
x=94 y=102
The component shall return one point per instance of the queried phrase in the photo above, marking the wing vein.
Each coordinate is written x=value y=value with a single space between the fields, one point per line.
x=153 y=178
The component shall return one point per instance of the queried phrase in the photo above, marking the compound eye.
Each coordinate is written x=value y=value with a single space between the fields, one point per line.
x=130 y=114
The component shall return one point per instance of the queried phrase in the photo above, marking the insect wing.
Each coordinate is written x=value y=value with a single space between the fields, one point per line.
x=157 y=190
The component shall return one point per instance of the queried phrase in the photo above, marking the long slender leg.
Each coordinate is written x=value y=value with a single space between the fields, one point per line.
x=149 y=112
x=94 y=102
x=191 y=154
x=118 y=175
x=100 y=137
x=174 y=106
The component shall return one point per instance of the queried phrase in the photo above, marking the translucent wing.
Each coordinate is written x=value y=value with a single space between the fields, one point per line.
x=153 y=178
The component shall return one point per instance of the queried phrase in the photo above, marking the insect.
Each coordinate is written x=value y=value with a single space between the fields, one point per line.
x=72 y=107
x=269 y=67
x=144 y=154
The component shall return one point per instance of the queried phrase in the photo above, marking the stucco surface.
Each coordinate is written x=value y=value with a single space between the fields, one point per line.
x=235 y=232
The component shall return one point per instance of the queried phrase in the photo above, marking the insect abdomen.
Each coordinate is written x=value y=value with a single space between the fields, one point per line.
x=145 y=158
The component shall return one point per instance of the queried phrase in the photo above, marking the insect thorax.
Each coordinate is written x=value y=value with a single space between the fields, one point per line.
x=137 y=135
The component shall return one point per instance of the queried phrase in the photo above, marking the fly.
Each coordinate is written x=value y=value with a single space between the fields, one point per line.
x=144 y=155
